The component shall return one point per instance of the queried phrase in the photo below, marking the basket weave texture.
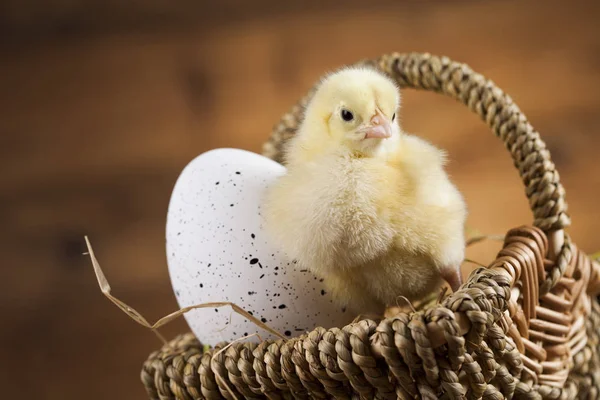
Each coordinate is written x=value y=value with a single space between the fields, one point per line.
x=526 y=327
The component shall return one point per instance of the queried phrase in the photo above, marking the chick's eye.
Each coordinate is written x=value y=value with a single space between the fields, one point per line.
x=347 y=115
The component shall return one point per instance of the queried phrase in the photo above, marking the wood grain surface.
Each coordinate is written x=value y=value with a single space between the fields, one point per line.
x=102 y=104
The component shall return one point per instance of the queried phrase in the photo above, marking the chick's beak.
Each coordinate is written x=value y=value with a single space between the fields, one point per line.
x=380 y=127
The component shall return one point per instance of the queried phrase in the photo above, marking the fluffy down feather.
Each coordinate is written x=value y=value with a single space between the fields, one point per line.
x=364 y=205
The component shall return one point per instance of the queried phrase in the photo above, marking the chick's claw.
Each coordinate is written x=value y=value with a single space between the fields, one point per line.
x=453 y=276
x=442 y=294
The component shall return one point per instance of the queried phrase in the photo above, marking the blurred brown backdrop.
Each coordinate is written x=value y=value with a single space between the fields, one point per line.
x=102 y=103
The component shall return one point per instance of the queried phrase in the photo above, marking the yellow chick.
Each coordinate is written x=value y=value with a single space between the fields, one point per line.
x=363 y=205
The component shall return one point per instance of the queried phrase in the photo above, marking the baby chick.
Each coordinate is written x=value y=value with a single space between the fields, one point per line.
x=363 y=205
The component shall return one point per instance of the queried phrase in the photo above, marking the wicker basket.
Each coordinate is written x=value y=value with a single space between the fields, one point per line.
x=525 y=327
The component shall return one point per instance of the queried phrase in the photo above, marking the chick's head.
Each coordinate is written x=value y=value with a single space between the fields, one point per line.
x=356 y=108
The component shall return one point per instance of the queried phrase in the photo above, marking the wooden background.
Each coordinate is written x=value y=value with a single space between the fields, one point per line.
x=102 y=103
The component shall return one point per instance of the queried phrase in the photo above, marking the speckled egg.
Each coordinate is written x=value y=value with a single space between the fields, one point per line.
x=218 y=251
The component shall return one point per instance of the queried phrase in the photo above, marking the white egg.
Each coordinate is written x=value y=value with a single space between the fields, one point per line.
x=217 y=250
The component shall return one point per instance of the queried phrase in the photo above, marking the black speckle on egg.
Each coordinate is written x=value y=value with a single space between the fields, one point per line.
x=262 y=276
x=216 y=310
x=252 y=235
x=251 y=293
x=282 y=306
x=322 y=292
x=237 y=172
x=263 y=320
x=288 y=333
x=216 y=183
x=201 y=285
x=253 y=261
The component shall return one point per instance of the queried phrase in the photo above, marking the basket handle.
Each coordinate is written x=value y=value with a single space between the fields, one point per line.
x=439 y=74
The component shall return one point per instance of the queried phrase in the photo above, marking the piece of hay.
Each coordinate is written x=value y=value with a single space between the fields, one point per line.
x=470 y=261
x=218 y=377
x=480 y=238
x=137 y=317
